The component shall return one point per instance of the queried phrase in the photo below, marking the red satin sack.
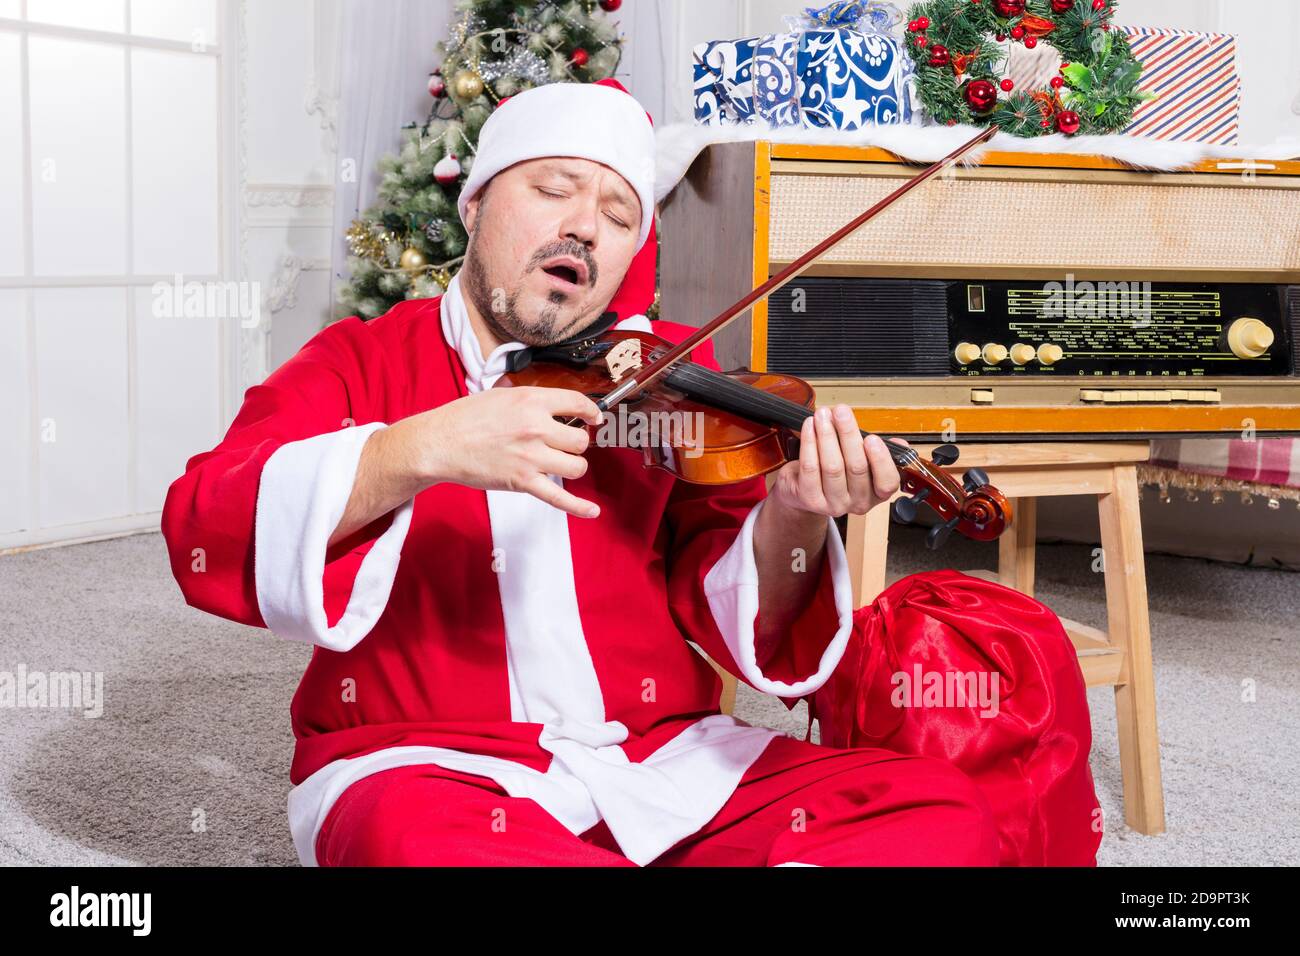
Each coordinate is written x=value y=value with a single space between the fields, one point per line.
x=1026 y=745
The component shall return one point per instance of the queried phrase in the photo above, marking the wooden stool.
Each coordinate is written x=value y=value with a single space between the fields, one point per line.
x=1121 y=657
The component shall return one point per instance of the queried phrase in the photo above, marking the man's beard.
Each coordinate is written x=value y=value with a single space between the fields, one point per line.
x=506 y=323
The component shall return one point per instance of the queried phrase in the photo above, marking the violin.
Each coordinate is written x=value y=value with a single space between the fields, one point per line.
x=748 y=422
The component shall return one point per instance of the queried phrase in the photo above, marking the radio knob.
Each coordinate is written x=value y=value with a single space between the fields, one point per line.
x=1050 y=354
x=995 y=354
x=966 y=353
x=1249 y=338
x=1022 y=354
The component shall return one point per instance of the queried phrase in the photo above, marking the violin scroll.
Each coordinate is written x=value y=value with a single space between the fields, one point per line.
x=974 y=508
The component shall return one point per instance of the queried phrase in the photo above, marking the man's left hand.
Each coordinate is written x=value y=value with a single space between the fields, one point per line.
x=838 y=471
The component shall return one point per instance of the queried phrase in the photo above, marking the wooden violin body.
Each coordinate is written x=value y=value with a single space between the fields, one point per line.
x=713 y=428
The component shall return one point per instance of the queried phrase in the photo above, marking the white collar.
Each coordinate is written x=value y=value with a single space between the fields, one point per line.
x=459 y=333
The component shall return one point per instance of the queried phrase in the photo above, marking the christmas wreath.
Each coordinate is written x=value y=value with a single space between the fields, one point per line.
x=957 y=48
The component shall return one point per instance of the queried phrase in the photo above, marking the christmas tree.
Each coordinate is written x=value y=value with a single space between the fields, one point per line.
x=411 y=242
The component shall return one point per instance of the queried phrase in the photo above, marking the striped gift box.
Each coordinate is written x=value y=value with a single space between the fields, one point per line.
x=1195 y=82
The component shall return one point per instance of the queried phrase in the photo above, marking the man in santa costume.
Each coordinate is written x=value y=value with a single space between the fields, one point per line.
x=501 y=609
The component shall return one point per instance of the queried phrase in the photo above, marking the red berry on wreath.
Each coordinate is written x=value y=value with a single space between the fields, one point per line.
x=981 y=95
x=922 y=40
x=578 y=57
x=1062 y=6
x=939 y=55
x=912 y=27
x=1099 y=4
x=609 y=6
x=1008 y=8
x=1067 y=121
x=1046 y=124
x=1001 y=37
x=923 y=22
x=1008 y=85
x=1057 y=82
x=1031 y=42
x=1017 y=32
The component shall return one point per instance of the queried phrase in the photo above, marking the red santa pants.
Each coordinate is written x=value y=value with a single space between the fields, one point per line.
x=800 y=802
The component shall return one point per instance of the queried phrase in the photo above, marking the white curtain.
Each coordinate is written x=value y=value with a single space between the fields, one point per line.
x=387 y=52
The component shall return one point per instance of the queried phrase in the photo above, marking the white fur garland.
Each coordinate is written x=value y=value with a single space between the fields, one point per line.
x=678 y=144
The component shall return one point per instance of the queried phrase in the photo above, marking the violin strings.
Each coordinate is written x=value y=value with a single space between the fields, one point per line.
x=747 y=399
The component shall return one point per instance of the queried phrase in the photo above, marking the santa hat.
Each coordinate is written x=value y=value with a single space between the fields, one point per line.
x=599 y=121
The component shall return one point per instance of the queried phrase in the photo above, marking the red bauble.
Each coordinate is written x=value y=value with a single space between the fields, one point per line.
x=1017 y=32
x=1008 y=85
x=1008 y=8
x=923 y=22
x=1031 y=42
x=939 y=55
x=1001 y=37
x=981 y=95
x=1067 y=121
x=1062 y=6
x=609 y=6
x=579 y=57
x=436 y=86
x=1099 y=4
x=1057 y=82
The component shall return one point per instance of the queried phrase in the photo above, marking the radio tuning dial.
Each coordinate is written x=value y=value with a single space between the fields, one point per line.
x=1022 y=354
x=966 y=353
x=995 y=354
x=1249 y=338
x=1049 y=354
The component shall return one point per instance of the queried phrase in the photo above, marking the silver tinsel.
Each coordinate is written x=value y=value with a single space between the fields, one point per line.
x=519 y=63
x=466 y=27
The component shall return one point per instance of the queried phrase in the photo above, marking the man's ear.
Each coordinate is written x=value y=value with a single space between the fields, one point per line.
x=471 y=210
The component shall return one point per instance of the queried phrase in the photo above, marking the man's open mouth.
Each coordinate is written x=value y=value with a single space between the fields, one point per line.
x=568 y=271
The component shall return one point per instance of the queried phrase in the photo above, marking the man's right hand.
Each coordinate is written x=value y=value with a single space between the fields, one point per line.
x=504 y=439
x=507 y=439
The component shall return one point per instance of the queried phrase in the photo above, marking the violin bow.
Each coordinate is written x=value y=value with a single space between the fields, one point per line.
x=642 y=377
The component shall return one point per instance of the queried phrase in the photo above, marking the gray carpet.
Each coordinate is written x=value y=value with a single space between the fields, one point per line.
x=189 y=762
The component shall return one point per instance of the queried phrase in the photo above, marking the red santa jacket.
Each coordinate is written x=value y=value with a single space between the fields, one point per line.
x=434 y=639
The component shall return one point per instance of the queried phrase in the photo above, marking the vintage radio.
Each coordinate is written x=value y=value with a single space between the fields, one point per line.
x=1042 y=296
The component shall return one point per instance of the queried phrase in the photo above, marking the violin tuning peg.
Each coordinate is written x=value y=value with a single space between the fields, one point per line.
x=974 y=479
x=939 y=534
x=904 y=509
x=945 y=455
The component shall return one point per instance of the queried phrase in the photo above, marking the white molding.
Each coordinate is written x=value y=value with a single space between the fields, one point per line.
x=255 y=343
x=283 y=293
x=31 y=540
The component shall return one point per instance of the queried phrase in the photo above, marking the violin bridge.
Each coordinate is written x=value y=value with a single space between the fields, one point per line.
x=623 y=358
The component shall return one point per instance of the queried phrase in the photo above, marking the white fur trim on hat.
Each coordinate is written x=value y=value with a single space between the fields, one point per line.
x=586 y=120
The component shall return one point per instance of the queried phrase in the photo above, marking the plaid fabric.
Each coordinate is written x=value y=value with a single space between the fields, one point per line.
x=1268 y=461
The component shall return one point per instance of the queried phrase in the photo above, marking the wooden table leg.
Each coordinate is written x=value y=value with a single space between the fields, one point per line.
x=866 y=547
x=1130 y=630
x=1016 y=547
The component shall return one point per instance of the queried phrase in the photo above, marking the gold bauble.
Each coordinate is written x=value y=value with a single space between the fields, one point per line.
x=413 y=261
x=468 y=85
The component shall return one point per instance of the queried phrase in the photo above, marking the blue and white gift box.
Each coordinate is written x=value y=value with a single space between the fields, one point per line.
x=814 y=75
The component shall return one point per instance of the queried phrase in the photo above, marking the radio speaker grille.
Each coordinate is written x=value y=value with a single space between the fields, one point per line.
x=834 y=327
